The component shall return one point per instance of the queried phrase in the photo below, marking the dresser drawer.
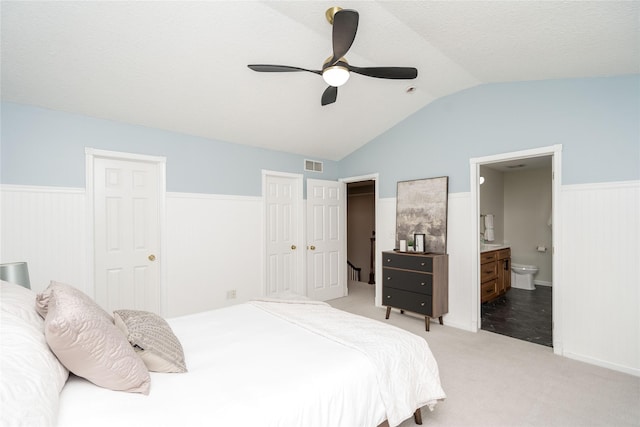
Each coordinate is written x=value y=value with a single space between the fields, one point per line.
x=418 y=303
x=407 y=262
x=488 y=271
x=408 y=280
x=488 y=290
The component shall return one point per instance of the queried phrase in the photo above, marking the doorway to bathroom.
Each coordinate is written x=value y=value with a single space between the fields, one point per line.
x=515 y=217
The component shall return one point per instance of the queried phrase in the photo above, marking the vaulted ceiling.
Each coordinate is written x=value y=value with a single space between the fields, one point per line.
x=182 y=66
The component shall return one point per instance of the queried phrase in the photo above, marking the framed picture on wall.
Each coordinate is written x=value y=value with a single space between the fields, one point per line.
x=422 y=210
x=419 y=240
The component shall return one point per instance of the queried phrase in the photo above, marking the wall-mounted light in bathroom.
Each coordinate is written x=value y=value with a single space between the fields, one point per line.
x=481 y=180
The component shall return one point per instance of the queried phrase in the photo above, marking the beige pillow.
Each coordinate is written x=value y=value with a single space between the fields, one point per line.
x=91 y=346
x=153 y=340
x=42 y=299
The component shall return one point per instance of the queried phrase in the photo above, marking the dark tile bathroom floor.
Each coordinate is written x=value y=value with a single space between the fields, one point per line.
x=521 y=314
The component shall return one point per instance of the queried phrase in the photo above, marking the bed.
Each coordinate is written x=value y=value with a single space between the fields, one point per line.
x=275 y=362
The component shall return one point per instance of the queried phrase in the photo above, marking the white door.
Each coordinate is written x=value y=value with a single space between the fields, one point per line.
x=326 y=240
x=283 y=200
x=126 y=210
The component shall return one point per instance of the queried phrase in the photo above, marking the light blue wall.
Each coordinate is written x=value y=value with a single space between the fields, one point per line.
x=596 y=120
x=45 y=147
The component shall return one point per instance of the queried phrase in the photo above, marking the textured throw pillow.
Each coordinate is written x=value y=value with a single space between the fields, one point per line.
x=90 y=346
x=42 y=300
x=152 y=338
x=32 y=376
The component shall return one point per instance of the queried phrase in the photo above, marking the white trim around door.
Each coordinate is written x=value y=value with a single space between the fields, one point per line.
x=556 y=152
x=375 y=177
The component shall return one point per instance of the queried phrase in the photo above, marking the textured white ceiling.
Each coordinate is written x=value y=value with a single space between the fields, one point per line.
x=181 y=66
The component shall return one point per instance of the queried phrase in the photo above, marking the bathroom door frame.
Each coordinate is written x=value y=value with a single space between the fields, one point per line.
x=555 y=151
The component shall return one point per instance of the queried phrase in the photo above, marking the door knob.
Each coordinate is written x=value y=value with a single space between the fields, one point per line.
x=313 y=248
x=152 y=257
x=293 y=247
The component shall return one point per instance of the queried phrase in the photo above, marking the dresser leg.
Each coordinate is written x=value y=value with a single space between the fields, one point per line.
x=440 y=319
x=417 y=416
x=388 y=311
x=426 y=323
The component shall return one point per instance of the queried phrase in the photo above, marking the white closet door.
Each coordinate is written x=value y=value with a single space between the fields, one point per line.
x=126 y=224
x=326 y=239
x=283 y=263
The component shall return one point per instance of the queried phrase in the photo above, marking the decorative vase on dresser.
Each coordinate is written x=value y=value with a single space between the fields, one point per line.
x=416 y=282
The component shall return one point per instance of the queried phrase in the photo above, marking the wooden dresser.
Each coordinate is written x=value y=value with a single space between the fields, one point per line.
x=495 y=273
x=416 y=282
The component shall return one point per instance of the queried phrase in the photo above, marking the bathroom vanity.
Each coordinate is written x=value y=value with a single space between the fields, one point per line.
x=416 y=282
x=495 y=272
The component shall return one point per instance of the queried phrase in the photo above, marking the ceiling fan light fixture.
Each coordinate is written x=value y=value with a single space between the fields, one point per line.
x=335 y=75
x=335 y=69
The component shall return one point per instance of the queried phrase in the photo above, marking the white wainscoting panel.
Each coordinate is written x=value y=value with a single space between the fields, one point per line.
x=458 y=246
x=45 y=226
x=214 y=246
x=601 y=274
x=385 y=238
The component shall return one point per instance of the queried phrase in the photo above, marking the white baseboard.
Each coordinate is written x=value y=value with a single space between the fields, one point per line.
x=542 y=283
x=603 y=364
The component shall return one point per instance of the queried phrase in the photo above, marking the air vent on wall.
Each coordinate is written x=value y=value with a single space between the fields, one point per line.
x=312 y=166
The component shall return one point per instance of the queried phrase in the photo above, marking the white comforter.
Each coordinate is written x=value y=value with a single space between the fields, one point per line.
x=247 y=367
x=406 y=370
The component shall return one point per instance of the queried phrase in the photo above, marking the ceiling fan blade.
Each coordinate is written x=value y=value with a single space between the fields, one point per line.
x=266 y=68
x=330 y=95
x=400 y=73
x=345 y=25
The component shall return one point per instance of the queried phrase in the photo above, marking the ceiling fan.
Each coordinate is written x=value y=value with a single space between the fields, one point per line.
x=335 y=69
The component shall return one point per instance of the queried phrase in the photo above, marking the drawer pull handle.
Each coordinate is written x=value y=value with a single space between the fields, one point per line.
x=388 y=278
x=388 y=296
x=422 y=304
x=422 y=263
x=388 y=259
x=422 y=284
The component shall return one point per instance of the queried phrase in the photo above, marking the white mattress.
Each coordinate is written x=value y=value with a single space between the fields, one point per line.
x=246 y=367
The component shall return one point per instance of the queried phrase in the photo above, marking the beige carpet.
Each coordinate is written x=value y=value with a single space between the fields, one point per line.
x=493 y=380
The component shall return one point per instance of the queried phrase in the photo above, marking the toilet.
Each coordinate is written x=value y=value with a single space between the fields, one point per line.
x=522 y=276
